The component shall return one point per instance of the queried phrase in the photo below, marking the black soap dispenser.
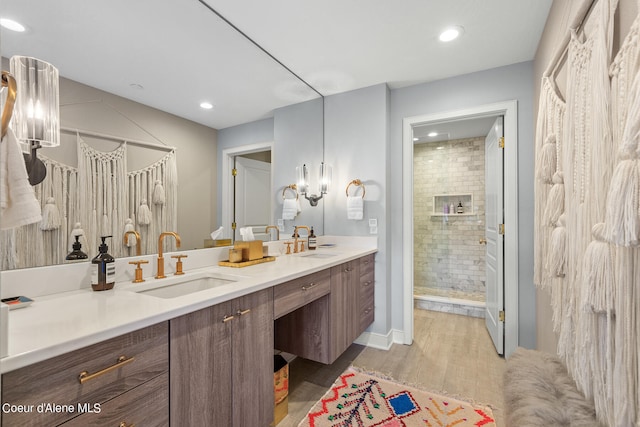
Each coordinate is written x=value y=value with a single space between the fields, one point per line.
x=312 y=242
x=76 y=255
x=103 y=273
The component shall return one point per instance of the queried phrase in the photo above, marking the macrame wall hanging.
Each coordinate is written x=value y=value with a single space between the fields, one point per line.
x=95 y=199
x=588 y=256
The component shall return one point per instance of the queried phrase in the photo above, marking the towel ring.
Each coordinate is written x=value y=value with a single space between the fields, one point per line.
x=358 y=183
x=292 y=187
x=9 y=82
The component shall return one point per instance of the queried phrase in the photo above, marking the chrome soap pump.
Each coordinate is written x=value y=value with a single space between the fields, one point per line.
x=103 y=273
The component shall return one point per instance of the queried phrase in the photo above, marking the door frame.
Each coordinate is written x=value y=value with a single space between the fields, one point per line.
x=508 y=109
x=228 y=155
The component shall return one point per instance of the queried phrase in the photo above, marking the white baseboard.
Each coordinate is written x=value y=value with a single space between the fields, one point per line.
x=381 y=341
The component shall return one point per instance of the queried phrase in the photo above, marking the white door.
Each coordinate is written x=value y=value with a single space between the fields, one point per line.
x=494 y=217
x=253 y=195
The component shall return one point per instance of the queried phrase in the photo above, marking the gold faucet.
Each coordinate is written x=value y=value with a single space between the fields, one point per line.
x=269 y=227
x=160 y=274
x=295 y=233
x=135 y=233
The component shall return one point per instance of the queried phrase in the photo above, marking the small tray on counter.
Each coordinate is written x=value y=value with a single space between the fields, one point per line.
x=226 y=263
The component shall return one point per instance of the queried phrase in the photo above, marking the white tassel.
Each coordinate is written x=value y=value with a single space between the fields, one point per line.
x=144 y=213
x=547 y=160
x=555 y=202
x=599 y=274
x=158 y=194
x=77 y=231
x=50 y=216
x=131 y=239
x=557 y=255
x=622 y=216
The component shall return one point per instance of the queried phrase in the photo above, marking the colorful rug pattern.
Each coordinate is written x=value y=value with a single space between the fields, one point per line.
x=357 y=399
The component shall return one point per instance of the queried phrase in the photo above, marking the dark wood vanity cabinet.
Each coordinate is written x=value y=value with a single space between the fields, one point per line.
x=323 y=328
x=221 y=364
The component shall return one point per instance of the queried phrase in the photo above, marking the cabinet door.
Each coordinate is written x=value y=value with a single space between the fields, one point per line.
x=367 y=289
x=200 y=367
x=252 y=350
x=345 y=307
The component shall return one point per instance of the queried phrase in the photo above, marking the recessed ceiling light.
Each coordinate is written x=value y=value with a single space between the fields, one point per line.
x=416 y=139
x=12 y=25
x=206 y=105
x=440 y=148
x=432 y=134
x=450 y=34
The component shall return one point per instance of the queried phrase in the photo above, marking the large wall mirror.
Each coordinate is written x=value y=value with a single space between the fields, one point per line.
x=133 y=74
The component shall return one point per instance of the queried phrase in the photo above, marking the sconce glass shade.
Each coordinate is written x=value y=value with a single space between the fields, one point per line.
x=302 y=179
x=325 y=178
x=36 y=116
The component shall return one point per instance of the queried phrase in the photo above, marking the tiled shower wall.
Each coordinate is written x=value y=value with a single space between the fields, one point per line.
x=448 y=258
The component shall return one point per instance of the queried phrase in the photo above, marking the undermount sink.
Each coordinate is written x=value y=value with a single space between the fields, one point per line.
x=318 y=255
x=180 y=286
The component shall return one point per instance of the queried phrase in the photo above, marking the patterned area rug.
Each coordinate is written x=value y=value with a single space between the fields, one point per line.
x=363 y=400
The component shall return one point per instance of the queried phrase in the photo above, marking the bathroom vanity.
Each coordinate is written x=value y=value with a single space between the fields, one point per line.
x=205 y=357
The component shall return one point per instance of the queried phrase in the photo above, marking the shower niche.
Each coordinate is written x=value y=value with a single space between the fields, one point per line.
x=443 y=204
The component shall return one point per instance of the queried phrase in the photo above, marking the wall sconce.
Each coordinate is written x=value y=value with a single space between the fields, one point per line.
x=323 y=185
x=36 y=116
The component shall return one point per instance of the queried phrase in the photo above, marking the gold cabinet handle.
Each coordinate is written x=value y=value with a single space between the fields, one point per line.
x=367 y=311
x=483 y=241
x=124 y=424
x=309 y=286
x=348 y=270
x=367 y=283
x=227 y=318
x=243 y=312
x=86 y=376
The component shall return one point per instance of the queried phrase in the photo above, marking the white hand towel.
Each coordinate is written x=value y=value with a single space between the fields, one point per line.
x=18 y=203
x=289 y=209
x=247 y=233
x=355 y=207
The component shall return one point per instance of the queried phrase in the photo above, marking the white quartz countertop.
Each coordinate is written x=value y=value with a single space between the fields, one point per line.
x=59 y=323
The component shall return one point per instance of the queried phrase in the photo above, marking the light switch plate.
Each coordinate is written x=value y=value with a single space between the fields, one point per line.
x=373 y=222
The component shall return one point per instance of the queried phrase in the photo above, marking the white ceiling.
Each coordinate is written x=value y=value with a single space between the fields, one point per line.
x=182 y=53
x=452 y=130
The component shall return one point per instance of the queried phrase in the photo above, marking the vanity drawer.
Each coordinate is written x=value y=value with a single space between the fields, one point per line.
x=57 y=380
x=292 y=295
x=147 y=405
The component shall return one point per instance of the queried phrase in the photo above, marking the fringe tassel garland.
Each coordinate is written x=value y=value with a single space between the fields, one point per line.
x=548 y=160
x=555 y=201
x=144 y=213
x=599 y=275
x=623 y=204
x=557 y=256
x=158 y=193
x=50 y=216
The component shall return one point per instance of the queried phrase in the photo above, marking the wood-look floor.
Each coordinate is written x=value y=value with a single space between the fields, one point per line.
x=450 y=353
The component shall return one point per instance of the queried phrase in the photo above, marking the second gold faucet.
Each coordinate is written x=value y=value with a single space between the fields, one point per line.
x=160 y=272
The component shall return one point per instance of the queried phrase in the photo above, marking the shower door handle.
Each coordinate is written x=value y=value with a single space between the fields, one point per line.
x=483 y=241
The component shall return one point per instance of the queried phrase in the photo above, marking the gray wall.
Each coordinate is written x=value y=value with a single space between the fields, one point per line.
x=356 y=145
x=485 y=87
